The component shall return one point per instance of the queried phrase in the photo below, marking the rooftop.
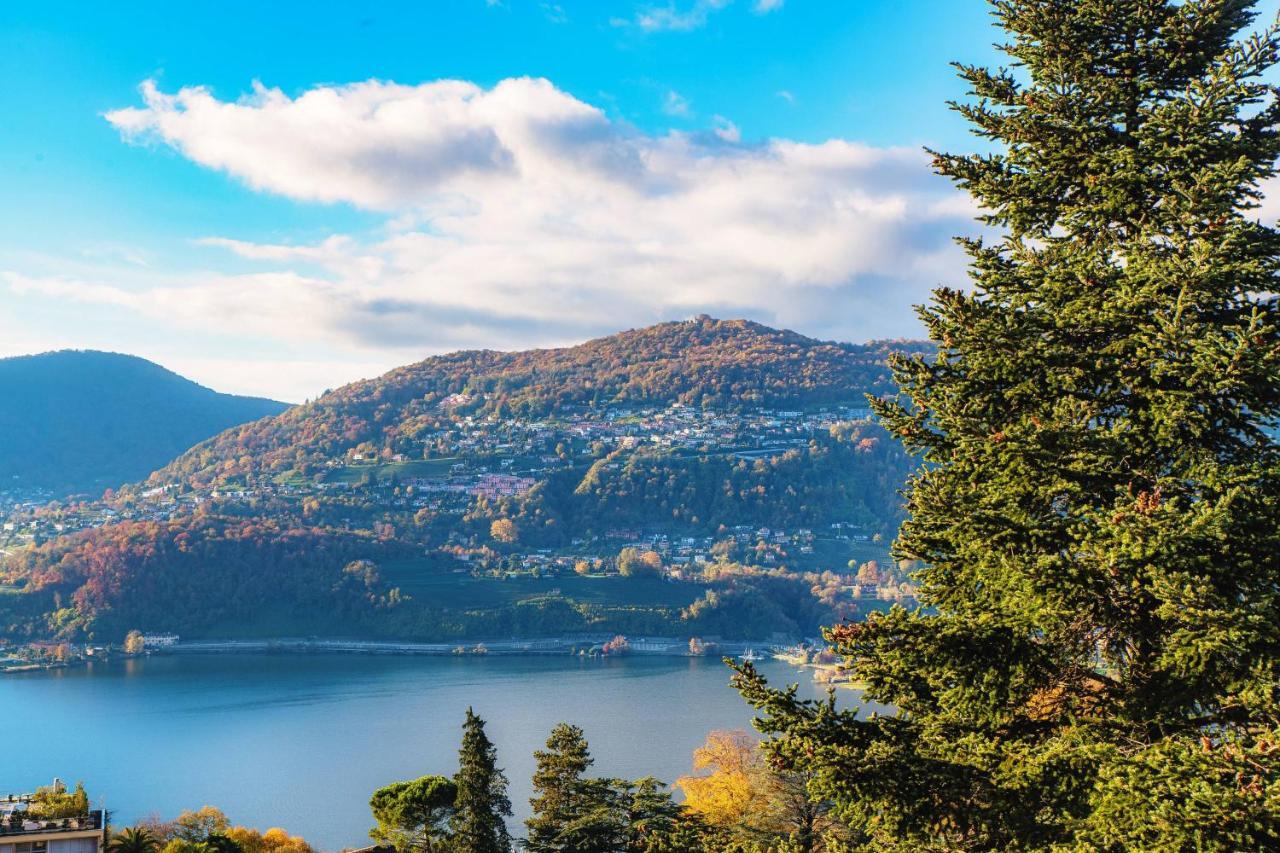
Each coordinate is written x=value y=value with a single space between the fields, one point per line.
x=15 y=819
x=17 y=823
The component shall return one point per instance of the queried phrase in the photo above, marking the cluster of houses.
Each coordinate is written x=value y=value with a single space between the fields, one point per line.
x=679 y=427
x=683 y=557
x=491 y=486
x=474 y=457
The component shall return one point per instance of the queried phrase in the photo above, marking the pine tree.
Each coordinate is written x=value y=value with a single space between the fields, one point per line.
x=654 y=820
x=477 y=823
x=1097 y=512
x=413 y=815
x=559 y=790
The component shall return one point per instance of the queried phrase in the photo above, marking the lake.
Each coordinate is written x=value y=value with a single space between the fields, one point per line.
x=300 y=741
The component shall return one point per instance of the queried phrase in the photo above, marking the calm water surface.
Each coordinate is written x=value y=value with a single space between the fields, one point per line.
x=300 y=741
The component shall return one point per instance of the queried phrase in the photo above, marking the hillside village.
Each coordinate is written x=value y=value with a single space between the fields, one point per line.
x=465 y=459
x=438 y=493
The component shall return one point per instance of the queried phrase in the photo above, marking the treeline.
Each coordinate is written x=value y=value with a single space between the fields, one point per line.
x=204 y=830
x=703 y=362
x=197 y=572
x=738 y=803
x=735 y=802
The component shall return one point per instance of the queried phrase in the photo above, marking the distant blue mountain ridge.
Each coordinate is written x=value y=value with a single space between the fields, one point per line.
x=80 y=421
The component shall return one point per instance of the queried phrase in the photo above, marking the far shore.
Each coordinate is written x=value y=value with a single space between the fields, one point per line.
x=575 y=645
x=585 y=645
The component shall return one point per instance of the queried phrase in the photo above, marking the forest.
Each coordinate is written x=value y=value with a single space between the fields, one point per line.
x=227 y=576
x=200 y=571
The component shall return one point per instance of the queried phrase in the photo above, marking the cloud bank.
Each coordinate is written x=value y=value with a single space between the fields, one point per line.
x=519 y=214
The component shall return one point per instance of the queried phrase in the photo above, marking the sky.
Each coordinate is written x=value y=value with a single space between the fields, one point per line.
x=279 y=198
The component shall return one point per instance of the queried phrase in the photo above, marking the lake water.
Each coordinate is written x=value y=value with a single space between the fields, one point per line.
x=300 y=741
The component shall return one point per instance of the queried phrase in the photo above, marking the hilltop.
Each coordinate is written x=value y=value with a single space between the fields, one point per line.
x=708 y=363
x=79 y=420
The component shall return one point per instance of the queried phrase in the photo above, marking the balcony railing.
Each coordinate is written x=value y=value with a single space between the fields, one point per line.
x=18 y=823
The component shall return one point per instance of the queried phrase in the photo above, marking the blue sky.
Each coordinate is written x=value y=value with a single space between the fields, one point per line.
x=277 y=198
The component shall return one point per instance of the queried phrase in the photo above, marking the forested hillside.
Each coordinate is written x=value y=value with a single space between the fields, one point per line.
x=706 y=363
x=698 y=477
x=84 y=421
x=196 y=572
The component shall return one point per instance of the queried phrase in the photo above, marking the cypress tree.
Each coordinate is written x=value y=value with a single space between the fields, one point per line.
x=1096 y=664
x=477 y=821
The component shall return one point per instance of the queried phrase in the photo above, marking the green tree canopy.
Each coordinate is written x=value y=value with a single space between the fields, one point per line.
x=1096 y=667
x=55 y=801
x=413 y=815
x=573 y=812
x=559 y=801
x=481 y=803
x=134 y=839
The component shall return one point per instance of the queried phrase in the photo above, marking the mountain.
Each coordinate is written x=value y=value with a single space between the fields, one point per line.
x=699 y=478
x=81 y=421
x=708 y=363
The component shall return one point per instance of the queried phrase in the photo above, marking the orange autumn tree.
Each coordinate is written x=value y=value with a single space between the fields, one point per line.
x=745 y=796
x=274 y=840
x=734 y=792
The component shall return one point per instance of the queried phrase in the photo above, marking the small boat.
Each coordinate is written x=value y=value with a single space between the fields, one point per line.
x=751 y=656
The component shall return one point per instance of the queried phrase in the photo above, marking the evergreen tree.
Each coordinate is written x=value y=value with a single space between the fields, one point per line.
x=1097 y=511
x=477 y=821
x=413 y=815
x=654 y=820
x=559 y=800
x=572 y=812
x=598 y=818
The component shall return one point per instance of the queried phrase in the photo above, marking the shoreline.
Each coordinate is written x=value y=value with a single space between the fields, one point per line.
x=580 y=645
x=577 y=646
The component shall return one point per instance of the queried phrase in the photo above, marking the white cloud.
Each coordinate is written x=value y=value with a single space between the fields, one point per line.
x=520 y=215
x=291 y=380
x=674 y=18
x=686 y=16
x=786 y=96
x=675 y=104
x=726 y=130
x=1268 y=210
